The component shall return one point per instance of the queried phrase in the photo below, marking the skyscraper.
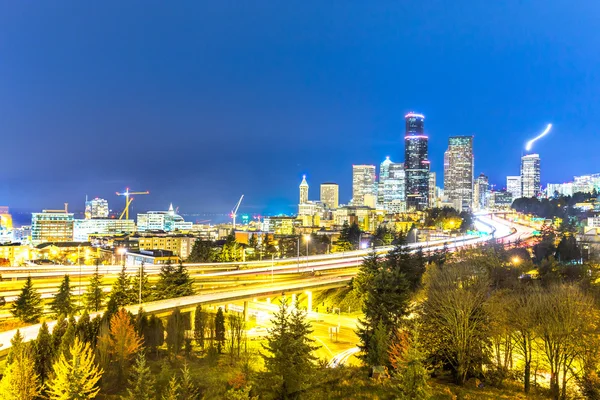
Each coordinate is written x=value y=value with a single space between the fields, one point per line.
x=481 y=191
x=330 y=195
x=458 y=172
x=513 y=186
x=416 y=163
x=530 y=175
x=384 y=174
x=364 y=189
x=392 y=181
x=303 y=190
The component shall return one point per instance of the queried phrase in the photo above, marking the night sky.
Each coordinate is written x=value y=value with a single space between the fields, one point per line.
x=200 y=102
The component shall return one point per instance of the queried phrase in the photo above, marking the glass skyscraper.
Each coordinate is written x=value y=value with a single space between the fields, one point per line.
x=364 y=186
x=458 y=172
x=416 y=163
x=530 y=175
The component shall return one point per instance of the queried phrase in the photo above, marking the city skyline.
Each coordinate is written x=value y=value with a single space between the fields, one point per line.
x=305 y=98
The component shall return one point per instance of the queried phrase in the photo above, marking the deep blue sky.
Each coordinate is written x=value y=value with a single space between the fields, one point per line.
x=200 y=102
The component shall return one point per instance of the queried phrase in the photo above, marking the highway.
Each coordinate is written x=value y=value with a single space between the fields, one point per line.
x=283 y=276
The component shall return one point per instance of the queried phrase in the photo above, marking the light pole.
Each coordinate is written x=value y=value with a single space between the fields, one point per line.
x=79 y=261
x=307 y=240
x=141 y=275
x=298 y=249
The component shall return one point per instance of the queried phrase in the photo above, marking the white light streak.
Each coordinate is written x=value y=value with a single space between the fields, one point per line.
x=541 y=135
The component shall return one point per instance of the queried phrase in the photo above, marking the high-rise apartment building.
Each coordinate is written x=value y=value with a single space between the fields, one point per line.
x=481 y=192
x=330 y=195
x=52 y=226
x=364 y=189
x=513 y=186
x=416 y=162
x=303 y=190
x=458 y=172
x=530 y=175
x=96 y=208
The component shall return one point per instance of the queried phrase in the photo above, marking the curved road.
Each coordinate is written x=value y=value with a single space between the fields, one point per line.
x=339 y=269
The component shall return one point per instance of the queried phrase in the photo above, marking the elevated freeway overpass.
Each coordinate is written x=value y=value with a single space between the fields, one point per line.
x=335 y=269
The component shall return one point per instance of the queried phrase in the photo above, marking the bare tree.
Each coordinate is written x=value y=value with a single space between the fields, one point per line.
x=564 y=317
x=521 y=320
x=455 y=322
x=236 y=326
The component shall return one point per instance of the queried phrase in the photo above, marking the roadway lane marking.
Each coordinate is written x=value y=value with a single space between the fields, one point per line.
x=324 y=345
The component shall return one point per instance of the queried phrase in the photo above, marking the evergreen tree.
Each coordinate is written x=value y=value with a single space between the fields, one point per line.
x=175 y=332
x=173 y=282
x=58 y=332
x=20 y=380
x=147 y=292
x=253 y=244
x=379 y=344
x=351 y=234
x=200 y=321
x=220 y=330
x=67 y=340
x=268 y=249
x=289 y=359
x=85 y=330
x=28 y=305
x=120 y=292
x=62 y=304
x=182 y=283
x=385 y=295
x=188 y=389
x=43 y=353
x=76 y=375
x=141 y=382
x=94 y=296
x=383 y=236
x=155 y=335
x=568 y=249
x=202 y=252
x=16 y=347
x=230 y=249
x=412 y=375
x=172 y=392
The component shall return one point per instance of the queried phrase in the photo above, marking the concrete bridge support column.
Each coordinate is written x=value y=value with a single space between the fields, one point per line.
x=294 y=298
x=309 y=304
x=193 y=319
x=246 y=311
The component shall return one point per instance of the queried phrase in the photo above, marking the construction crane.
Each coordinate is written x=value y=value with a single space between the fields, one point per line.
x=128 y=201
x=235 y=210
